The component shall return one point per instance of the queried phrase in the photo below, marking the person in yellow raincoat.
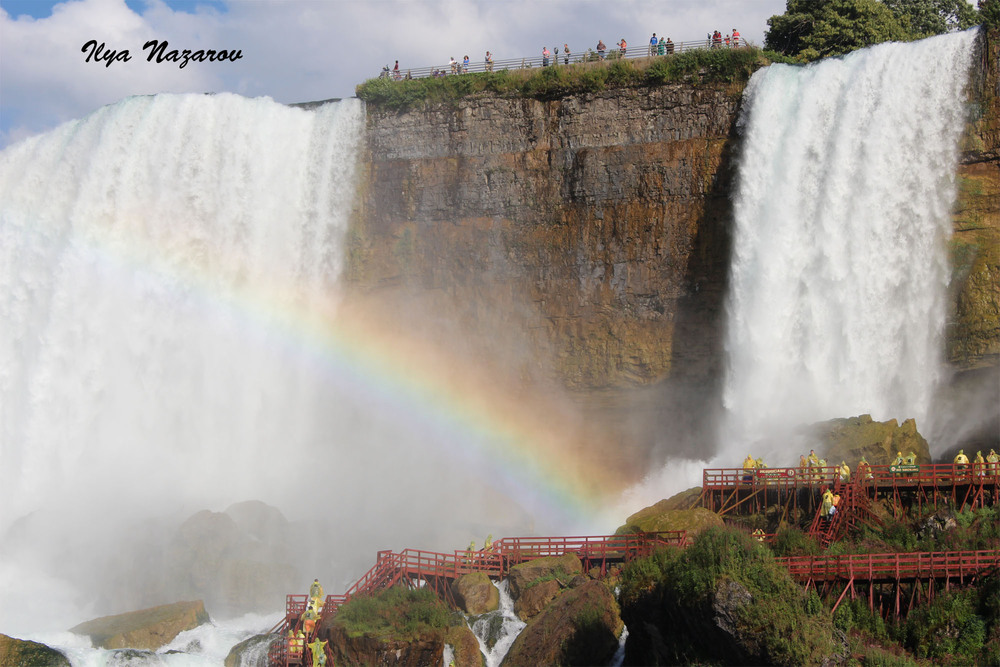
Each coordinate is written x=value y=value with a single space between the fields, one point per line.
x=979 y=464
x=865 y=469
x=827 y=507
x=318 y=650
x=961 y=461
x=994 y=460
x=845 y=472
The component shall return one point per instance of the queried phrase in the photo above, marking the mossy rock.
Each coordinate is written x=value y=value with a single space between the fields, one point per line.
x=879 y=442
x=558 y=568
x=659 y=517
x=24 y=653
x=475 y=593
x=581 y=627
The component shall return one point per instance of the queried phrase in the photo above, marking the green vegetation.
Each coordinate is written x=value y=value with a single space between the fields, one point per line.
x=558 y=574
x=698 y=66
x=813 y=29
x=731 y=571
x=398 y=613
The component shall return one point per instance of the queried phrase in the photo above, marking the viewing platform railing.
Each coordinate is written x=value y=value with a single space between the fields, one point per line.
x=643 y=50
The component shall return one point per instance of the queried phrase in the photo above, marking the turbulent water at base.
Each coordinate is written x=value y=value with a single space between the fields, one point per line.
x=842 y=213
x=501 y=627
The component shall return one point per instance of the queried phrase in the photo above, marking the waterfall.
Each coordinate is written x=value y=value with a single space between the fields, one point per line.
x=154 y=255
x=837 y=298
x=497 y=630
x=163 y=264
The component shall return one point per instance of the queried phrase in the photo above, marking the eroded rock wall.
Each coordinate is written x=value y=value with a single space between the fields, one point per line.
x=596 y=224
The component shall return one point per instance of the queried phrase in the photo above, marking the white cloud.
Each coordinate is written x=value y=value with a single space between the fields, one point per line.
x=303 y=50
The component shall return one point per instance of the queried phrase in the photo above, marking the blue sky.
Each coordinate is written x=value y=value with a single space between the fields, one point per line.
x=303 y=50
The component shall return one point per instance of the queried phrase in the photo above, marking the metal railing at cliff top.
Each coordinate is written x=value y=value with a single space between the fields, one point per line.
x=558 y=59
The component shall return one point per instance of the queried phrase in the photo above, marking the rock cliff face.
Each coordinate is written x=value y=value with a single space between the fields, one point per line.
x=594 y=229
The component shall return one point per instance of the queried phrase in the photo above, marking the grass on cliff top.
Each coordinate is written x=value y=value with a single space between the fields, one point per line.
x=397 y=613
x=699 y=65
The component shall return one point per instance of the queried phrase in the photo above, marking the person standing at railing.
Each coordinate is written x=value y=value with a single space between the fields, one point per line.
x=601 y=48
x=994 y=460
x=545 y=56
x=566 y=54
x=961 y=461
x=736 y=38
x=979 y=464
x=670 y=47
x=465 y=64
x=845 y=472
x=395 y=71
x=652 y=45
x=454 y=65
x=489 y=61
x=622 y=47
x=865 y=469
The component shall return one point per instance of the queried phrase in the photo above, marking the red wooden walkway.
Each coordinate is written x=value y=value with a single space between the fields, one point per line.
x=735 y=490
x=415 y=568
x=921 y=571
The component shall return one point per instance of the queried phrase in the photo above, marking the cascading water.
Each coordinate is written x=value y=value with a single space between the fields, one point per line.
x=497 y=630
x=159 y=263
x=152 y=256
x=842 y=212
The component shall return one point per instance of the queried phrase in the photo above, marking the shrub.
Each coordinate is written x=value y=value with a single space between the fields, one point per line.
x=398 y=612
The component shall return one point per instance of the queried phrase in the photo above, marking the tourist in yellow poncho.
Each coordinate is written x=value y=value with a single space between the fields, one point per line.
x=979 y=464
x=318 y=649
x=865 y=469
x=827 y=502
x=845 y=472
x=961 y=460
x=994 y=460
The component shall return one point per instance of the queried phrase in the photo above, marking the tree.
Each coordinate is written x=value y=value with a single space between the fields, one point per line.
x=924 y=18
x=989 y=13
x=811 y=29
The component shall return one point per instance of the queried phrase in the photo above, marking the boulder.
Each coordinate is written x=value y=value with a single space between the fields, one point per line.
x=850 y=439
x=534 y=598
x=425 y=649
x=475 y=593
x=525 y=575
x=662 y=516
x=144 y=629
x=581 y=627
x=24 y=653
x=251 y=651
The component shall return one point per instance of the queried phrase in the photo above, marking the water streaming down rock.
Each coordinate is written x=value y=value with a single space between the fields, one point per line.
x=497 y=630
x=837 y=289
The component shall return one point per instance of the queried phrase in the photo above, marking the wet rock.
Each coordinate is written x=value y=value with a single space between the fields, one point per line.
x=581 y=627
x=850 y=439
x=23 y=653
x=661 y=516
x=476 y=594
x=144 y=629
x=251 y=651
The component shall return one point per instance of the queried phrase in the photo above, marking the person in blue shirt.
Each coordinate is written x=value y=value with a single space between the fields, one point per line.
x=652 y=45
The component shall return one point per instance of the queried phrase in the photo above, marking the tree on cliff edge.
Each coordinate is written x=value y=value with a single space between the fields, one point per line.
x=812 y=29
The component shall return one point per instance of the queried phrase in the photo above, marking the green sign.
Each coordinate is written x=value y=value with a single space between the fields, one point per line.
x=904 y=468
